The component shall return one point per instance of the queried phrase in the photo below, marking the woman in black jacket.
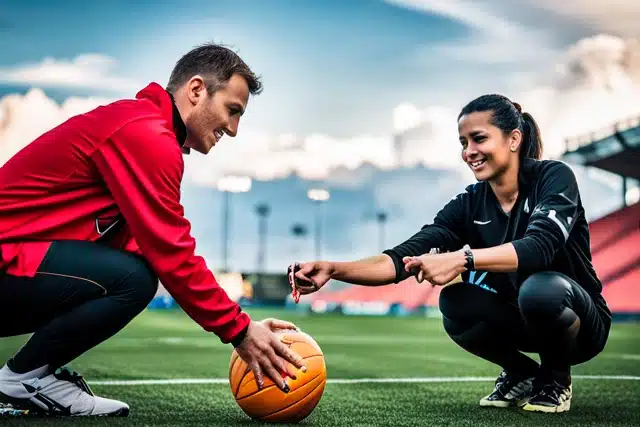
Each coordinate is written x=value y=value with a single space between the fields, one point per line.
x=520 y=241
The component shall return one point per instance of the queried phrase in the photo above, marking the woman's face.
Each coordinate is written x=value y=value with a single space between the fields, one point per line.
x=486 y=149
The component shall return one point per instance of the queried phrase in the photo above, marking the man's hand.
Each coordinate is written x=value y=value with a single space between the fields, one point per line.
x=264 y=353
x=437 y=269
x=306 y=278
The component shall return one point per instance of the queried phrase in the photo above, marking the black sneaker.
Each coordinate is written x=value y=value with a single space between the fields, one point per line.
x=510 y=390
x=550 y=397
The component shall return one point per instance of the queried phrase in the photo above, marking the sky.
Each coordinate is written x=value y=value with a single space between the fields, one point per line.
x=341 y=79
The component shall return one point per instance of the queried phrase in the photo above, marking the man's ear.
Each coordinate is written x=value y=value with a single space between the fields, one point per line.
x=196 y=88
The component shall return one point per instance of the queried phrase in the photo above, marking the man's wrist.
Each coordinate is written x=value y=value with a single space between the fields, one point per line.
x=237 y=340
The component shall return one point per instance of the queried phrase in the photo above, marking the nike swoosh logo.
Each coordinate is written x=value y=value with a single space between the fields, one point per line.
x=481 y=222
x=52 y=405
x=109 y=227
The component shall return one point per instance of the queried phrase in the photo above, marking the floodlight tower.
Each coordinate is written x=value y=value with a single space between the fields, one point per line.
x=318 y=196
x=228 y=185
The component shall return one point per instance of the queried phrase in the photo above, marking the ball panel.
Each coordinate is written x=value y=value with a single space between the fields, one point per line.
x=238 y=373
x=290 y=337
x=315 y=365
x=305 y=350
x=299 y=410
x=270 y=400
x=243 y=384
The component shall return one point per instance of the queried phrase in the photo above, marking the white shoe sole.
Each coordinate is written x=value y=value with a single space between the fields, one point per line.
x=26 y=408
x=563 y=407
x=496 y=404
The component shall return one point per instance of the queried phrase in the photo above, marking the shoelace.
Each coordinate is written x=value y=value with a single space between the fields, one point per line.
x=513 y=385
x=502 y=378
x=552 y=390
x=66 y=374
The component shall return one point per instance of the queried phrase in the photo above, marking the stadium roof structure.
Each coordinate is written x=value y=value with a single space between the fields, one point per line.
x=615 y=149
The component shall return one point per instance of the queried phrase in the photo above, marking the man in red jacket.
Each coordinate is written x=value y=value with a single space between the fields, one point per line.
x=91 y=219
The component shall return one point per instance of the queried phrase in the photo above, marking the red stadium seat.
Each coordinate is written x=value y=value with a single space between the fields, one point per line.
x=607 y=230
x=618 y=257
x=623 y=294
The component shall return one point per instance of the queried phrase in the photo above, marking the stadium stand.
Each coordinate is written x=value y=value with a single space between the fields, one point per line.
x=609 y=229
x=623 y=294
x=619 y=256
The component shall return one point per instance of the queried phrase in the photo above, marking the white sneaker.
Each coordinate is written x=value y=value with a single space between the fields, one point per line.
x=63 y=393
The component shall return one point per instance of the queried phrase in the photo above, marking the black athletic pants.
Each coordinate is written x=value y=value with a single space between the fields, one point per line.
x=82 y=294
x=553 y=317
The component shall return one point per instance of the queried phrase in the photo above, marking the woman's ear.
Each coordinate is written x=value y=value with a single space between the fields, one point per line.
x=515 y=140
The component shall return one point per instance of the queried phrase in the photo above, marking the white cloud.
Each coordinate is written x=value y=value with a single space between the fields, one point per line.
x=620 y=17
x=602 y=62
x=493 y=40
x=313 y=157
x=431 y=141
x=472 y=14
x=527 y=45
x=261 y=156
x=25 y=117
x=92 y=71
x=596 y=84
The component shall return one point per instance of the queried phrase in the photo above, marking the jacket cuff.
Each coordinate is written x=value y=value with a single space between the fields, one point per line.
x=397 y=263
x=237 y=340
x=236 y=333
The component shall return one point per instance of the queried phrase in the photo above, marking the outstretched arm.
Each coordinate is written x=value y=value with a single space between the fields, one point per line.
x=446 y=232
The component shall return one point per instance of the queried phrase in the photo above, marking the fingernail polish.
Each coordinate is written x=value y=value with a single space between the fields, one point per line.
x=286 y=388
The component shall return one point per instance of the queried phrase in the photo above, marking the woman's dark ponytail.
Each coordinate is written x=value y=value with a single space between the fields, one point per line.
x=531 y=147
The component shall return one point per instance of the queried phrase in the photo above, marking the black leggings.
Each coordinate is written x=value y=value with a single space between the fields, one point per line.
x=553 y=316
x=82 y=294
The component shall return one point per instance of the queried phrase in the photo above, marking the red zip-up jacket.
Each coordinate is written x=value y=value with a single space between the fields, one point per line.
x=120 y=164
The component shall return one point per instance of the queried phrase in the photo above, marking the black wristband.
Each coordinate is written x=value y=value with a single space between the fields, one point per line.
x=470 y=264
x=237 y=340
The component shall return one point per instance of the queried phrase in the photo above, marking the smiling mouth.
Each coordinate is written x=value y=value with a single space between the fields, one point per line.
x=477 y=164
x=218 y=134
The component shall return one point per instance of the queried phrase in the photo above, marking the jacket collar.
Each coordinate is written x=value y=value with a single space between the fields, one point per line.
x=526 y=173
x=164 y=100
x=178 y=126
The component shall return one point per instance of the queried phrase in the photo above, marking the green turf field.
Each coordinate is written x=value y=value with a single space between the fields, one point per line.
x=162 y=345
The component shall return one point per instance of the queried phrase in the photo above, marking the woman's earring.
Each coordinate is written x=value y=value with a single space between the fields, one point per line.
x=513 y=148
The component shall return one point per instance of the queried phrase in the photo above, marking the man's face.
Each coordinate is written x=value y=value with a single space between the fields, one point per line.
x=214 y=115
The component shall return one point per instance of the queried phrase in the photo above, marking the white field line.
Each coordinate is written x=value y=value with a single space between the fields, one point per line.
x=351 y=380
x=205 y=341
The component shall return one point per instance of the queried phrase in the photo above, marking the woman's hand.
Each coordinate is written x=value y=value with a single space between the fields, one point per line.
x=437 y=269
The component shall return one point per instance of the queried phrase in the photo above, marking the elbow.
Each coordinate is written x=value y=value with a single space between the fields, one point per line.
x=534 y=254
